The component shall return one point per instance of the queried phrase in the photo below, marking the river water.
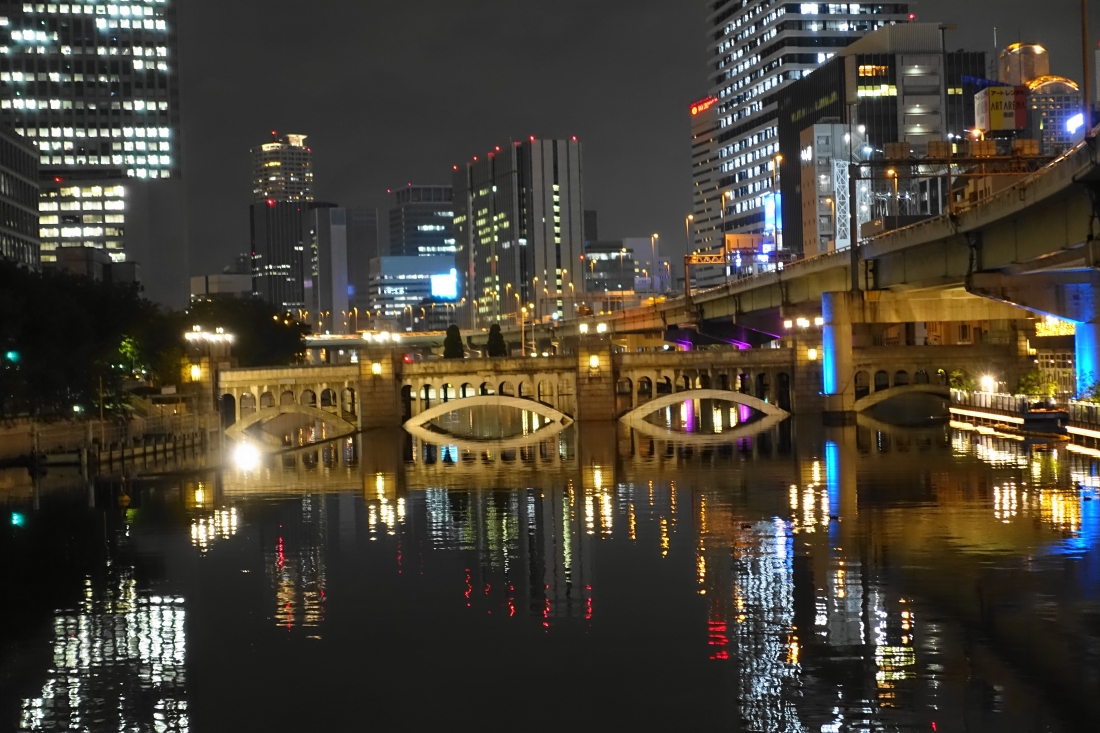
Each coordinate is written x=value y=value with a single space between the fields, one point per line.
x=731 y=576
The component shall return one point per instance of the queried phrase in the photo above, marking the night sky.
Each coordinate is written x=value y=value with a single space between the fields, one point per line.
x=391 y=93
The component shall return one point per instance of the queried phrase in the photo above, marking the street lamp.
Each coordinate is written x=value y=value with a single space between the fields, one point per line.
x=894 y=174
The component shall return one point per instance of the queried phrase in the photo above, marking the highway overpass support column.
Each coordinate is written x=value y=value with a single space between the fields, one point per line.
x=836 y=347
x=1072 y=295
x=1087 y=347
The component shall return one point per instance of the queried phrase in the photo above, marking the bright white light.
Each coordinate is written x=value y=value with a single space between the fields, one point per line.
x=383 y=336
x=788 y=324
x=1075 y=123
x=246 y=456
x=819 y=321
x=593 y=362
x=601 y=328
x=584 y=328
x=989 y=384
x=376 y=369
x=811 y=354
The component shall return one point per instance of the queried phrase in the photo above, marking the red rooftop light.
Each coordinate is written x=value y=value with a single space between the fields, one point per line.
x=912 y=16
x=271 y=202
x=532 y=138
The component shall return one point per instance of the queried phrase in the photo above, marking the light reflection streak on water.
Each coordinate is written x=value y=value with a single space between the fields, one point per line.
x=122 y=646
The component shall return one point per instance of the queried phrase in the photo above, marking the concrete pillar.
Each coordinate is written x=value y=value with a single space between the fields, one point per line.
x=379 y=393
x=1087 y=359
x=837 y=372
x=596 y=380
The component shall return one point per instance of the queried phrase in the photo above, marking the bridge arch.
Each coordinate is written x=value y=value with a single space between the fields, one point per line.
x=342 y=427
x=308 y=398
x=247 y=404
x=875 y=398
x=489 y=401
x=639 y=414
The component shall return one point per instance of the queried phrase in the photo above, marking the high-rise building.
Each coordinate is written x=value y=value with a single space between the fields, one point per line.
x=282 y=193
x=341 y=243
x=519 y=228
x=94 y=89
x=364 y=245
x=886 y=88
x=401 y=286
x=758 y=47
x=18 y=200
x=282 y=169
x=421 y=219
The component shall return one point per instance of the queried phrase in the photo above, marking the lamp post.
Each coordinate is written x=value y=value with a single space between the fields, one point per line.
x=522 y=328
x=894 y=174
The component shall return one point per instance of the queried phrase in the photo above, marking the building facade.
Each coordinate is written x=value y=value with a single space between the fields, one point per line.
x=519 y=229
x=401 y=286
x=757 y=48
x=18 y=201
x=282 y=195
x=886 y=88
x=341 y=243
x=95 y=89
x=282 y=169
x=421 y=221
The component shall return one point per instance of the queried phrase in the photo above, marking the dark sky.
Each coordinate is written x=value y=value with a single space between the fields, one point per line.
x=392 y=92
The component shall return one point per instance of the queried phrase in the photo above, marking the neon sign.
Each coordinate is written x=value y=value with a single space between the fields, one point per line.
x=703 y=105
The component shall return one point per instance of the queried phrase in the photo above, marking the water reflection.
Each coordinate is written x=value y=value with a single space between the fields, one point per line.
x=794 y=578
x=118 y=663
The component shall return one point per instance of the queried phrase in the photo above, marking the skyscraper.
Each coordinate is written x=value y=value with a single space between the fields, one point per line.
x=94 y=88
x=758 y=47
x=421 y=219
x=341 y=242
x=519 y=229
x=282 y=191
x=18 y=200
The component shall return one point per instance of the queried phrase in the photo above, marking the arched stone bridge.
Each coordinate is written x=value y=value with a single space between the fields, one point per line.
x=592 y=383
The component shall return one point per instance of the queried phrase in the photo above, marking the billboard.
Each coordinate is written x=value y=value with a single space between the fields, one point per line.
x=1000 y=108
x=445 y=287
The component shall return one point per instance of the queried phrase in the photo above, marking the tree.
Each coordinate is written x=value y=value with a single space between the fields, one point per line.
x=452 y=345
x=262 y=335
x=960 y=379
x=1037 y=384
x=496 y=346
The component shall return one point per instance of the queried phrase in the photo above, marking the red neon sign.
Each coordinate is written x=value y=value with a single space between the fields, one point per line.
x=703 y=105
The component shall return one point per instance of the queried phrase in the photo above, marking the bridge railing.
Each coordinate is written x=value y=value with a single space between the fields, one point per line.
x=1004 y=403
x=1084 y=412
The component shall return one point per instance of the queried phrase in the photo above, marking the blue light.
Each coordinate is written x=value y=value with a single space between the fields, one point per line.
x=1086 y=343
x=17 y=519
x=445 y=287
x=769 y=213
x=1075 y=123
x=12 y=356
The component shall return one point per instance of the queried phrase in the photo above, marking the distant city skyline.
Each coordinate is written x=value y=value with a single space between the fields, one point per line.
x=634 y=126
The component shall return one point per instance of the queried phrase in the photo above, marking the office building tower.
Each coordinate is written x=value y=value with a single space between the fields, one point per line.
x=591 y=227
x=18 y=200
x=519 y=227
x=758 y=47
x=887 y=88
x=421 y=219
x=282 y=169
x=341 y=243
x=707 y=214
x=364 y=245
x=94 y=89
x=282 y=193
x=1052 y=101
x=400 y=287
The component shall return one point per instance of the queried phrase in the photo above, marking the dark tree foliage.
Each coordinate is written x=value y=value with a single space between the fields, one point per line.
x=62 y=336
x=495 y=345
x=68 y=333
x=452 y=345
x=264 y=337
